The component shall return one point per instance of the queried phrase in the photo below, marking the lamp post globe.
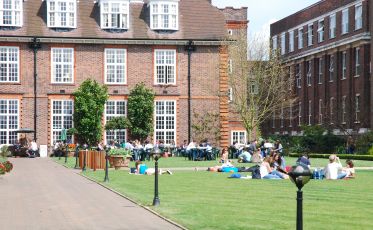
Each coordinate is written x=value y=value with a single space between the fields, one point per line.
x=300 y=175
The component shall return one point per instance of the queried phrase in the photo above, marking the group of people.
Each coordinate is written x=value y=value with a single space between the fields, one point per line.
x=32 y=149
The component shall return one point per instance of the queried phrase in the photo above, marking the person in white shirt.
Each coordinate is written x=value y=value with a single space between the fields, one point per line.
x=33 y=149
x=333 y=170
x=191 y=150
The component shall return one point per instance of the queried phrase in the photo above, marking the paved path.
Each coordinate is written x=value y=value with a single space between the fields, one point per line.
x=40 y=194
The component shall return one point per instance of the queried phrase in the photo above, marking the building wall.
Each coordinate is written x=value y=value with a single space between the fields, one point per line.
x=337 y=88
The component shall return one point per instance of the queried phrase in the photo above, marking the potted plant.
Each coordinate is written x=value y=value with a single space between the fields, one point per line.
x=119 y=158
x=8 y=166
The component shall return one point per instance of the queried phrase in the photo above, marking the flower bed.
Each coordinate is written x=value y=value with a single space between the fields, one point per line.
x=5 y=167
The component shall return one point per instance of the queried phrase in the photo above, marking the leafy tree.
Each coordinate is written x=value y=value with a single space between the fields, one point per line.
x=117 y=123
x=140 y=111
x=206 y=126
x=89 y=106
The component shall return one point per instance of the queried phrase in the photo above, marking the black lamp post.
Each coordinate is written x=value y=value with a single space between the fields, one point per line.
x=300 y=175
x=156 y=155
x=85 y=158
x=107 y=150
x=76 y=156
x=65 y=153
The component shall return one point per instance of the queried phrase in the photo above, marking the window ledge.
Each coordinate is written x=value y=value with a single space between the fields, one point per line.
x=62 y=83
x=342 y=79
x=343 y=123
x=356 y=76
x=165 y=85
x=309 y=85
x=10 y=83
x=331 y=81
x=320 y=83
x=116 y=84
x=357 y=122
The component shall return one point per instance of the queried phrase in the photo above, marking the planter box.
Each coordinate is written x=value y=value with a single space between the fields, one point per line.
x=118 y=161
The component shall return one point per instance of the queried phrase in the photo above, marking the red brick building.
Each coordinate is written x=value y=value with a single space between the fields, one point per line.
x=327 y=49
x=48 y=48
x=236 y=23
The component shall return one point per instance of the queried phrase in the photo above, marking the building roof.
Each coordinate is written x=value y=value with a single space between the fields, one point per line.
x=233 y=14
x=197 y=20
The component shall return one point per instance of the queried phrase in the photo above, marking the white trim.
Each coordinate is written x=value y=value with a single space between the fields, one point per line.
x=283 y=43
x=13 y=14
x=357 y=62
x=239 y=134
x=116 y=67
x=60 y=14
x=300 y=38
x=165 y=65
x=123 y=11
x=163 y=115
x=332 y=26
x=115 y=115
x=11 y=62
x=345 y=22
x=170 y=4
x=7 y=114
x=358 y=20
x=321 y=30
x=344 y=65
x=291 y=41
x=53 y=78
x=62 y=117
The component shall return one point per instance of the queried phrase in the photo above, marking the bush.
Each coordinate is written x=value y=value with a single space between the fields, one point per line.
x=8 y=166
x=364 y=143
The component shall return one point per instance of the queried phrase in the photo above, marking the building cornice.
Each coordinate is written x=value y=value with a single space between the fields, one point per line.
x=198 y=42
x=362 y=36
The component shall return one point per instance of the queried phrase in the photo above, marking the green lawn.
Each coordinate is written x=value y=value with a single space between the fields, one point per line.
x=206 y=200
x=178 y=162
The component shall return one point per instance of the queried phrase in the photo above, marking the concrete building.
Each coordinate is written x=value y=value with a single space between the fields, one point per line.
x=48 y=48
x=327 y=48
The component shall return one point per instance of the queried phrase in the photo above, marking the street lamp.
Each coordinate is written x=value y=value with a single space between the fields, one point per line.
x=156 y=155
x=76 y=156
x=85 y=157
x=300 y=175
x=107 y=150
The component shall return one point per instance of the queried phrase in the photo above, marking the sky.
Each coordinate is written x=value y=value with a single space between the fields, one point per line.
x=261 y=13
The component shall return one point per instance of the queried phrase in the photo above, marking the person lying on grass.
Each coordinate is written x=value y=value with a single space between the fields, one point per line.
x=225 y=167
x=268 y=172
x=142 y=169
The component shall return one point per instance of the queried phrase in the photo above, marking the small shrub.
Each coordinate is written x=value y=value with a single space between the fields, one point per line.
x=2 y=169
x=8 y=166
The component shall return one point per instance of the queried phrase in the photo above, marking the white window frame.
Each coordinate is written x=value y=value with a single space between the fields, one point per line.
x=14 y=11
x=332 y=26
x=164 y=64
x=300 y=38
x=164 y=115
x=331 y=110
x=274 y=43
x=58 y=13
x=309 y=73
x=344 y=65
x=331 y=68
x=345 y=21
x=63 y=115
x=320 y=70
x=357 y=62
x=9 y=112
x=116 y=133
x=230 y=66
x=298 y=76
x=320 y=30
x=9 y=65
x=236 y=135
x=299 y=113
x=310 y=35
x=358 y=16
x=309 y=112
x=117 y=66
x=122 y=15
x=283 y=43
x=320 y=112
x=344 y=110
x=357 y=108
x=155 y=12
x=291 y=41
x=230 y=94
x=63 y=65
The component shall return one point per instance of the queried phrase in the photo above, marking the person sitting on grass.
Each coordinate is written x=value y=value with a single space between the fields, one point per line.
x=333 y=170
x=142 y=169
x=279 y=163
x=349 y=170
x=256 y=157
x=244 y=157
x=304 y=160
x=224 y=155
x=267 y=172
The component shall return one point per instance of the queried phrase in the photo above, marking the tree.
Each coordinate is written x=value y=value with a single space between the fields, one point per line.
x=260 y=87
x=90 y=99
x=206 y=126
x=140 y=111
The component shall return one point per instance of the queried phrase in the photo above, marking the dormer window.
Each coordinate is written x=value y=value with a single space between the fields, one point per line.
x=61 y=13
x=164 y=15
x=11 y=13
x=114 y=14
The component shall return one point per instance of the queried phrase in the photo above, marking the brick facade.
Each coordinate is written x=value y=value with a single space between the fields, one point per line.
x=208 y=65
x=331 y=96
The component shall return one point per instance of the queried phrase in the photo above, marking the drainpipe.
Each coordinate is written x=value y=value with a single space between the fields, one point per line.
x=190 y=47
x=35 y=46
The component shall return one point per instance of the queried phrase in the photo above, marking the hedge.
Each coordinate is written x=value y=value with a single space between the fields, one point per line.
x=341 y=156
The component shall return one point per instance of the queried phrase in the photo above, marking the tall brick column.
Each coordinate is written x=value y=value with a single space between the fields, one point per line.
x=223 y=91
